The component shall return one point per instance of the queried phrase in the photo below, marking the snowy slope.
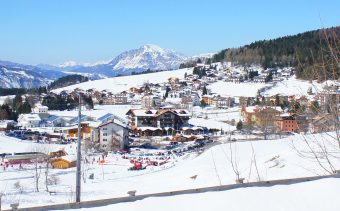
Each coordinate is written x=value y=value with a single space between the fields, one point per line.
x=276 y=159
x=293 y=86
x=236 y=89
x=308 y=196
x=118 y=84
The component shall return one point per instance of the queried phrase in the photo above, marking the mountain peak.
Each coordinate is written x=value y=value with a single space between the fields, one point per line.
x=146 y=57
x=152 y=48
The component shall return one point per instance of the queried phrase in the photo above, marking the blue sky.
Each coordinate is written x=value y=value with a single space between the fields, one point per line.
x=54 y=31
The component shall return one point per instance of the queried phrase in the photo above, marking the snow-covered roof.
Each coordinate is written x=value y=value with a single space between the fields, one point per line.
x=251 y=109
x=30 y=117
x=69 y=158
x=154 y=112
x=52 y=118
x=105 y=117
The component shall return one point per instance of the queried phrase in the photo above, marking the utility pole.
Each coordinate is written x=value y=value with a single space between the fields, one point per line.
x=78 y=155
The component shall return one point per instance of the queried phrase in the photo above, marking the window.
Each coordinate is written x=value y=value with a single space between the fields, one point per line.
x=104 y=134
x=104 y=139
x=104 y=128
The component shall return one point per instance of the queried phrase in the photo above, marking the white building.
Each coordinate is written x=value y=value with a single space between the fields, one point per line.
x=29 y=120
x=111 y=136
x=39 y=109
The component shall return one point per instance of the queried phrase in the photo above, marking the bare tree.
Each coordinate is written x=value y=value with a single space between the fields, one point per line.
x=265 y=120
x=40 y=160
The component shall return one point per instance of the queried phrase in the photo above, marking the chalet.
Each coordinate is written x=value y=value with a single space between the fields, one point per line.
x=323 y=123
x=173 y=80
x=57 y=154
x=208 y=99
x=116 y=99
x=260 y=79
x=71 y=132
x=286 y=123
x=160 y=119
x=223 y=102
x=64 y=162
x=234 y=78
x=136 y=90
x=210 y=78
x=260 y=116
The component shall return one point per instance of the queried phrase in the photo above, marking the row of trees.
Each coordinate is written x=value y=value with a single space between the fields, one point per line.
x=21 y=91
x=69 y=102
x=67 y=81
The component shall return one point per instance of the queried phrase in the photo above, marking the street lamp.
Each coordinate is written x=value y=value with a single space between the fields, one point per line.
x=78 y=174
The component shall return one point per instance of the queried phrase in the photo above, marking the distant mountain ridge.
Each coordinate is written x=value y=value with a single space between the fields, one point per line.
x=147 y=57
x=16 y=77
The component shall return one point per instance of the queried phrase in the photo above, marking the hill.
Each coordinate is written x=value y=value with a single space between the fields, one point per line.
x=314 y=54
x=118 y=84
x=67 y=81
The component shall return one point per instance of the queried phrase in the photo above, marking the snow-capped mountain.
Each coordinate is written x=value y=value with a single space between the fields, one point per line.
x=42 y=71
x=137 y=60
x=147 y=57
x=15 y=77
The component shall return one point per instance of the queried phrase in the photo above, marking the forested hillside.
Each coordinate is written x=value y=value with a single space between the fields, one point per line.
x=314 y=54
x=67 y=81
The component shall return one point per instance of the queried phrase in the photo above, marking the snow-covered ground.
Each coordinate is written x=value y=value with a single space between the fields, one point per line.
x=119 y=84
x=11 y=145
x=293 y=86
x=216 y=114
x=308 y=196
x=210 y=123
x=290 y=86
x=236 y=89
x=275 y=159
